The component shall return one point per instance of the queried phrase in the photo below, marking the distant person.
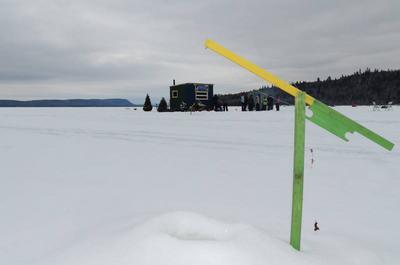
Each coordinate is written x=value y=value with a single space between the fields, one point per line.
x=216 y=103
x=270 y=103
x=220 y=105
x=258 y=108
x=225 y=106
x=243 y=102
x=264 y=103
x=277 y=103
x=316 y=228
x=250 y=103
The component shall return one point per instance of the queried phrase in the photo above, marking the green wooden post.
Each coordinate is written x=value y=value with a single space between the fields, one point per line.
x=298 y=170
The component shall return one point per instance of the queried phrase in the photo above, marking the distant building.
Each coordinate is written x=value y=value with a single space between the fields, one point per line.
x=185 y=95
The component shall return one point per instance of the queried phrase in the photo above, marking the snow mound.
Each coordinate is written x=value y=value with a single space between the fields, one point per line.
x=182 y=238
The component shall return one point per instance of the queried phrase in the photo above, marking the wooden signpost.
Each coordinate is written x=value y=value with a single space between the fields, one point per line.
x=323 y=115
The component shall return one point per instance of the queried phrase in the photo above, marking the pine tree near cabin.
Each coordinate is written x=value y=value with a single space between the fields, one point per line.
x=147 y=104
x=162 y=107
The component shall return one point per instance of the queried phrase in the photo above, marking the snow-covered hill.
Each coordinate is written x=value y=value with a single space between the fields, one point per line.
x=118 y=186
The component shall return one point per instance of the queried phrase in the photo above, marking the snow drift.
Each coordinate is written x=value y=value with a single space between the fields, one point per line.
x=182 y=238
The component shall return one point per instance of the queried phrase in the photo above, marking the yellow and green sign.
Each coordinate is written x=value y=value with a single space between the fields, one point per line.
x=323 y=115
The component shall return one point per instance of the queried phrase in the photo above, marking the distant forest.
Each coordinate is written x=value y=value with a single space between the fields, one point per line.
x=360 y=88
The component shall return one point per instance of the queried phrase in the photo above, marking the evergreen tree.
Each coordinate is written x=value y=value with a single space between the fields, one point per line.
x=147 y=104
x=162 y=107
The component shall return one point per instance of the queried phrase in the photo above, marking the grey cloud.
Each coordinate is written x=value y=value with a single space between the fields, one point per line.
x=129 y=48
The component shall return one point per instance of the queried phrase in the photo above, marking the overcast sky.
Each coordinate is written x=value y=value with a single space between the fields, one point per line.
x=109 y=49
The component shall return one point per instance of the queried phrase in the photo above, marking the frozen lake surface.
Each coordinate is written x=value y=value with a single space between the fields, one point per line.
x=118 y=186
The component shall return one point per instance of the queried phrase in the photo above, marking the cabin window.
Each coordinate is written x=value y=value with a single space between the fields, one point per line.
x=174 y=93
x=201 y=92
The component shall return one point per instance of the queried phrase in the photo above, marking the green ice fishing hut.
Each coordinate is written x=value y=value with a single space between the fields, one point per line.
x=189 y=93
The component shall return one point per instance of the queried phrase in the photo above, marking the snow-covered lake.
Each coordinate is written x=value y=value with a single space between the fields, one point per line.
x=110 y=186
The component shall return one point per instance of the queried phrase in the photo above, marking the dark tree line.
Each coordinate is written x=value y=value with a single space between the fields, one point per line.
x=360 y=88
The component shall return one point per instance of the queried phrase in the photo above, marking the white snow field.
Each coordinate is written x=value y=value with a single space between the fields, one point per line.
x=114 y=186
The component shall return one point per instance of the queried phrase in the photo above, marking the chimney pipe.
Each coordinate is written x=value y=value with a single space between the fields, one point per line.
x=173 y=82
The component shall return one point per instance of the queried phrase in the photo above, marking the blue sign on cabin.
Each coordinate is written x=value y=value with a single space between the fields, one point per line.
x=201 y=87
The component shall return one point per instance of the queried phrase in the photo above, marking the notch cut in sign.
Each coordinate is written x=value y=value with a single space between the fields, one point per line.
x=323 y=115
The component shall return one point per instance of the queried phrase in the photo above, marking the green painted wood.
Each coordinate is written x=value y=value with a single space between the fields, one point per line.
x=339 y=124
x=298 y=170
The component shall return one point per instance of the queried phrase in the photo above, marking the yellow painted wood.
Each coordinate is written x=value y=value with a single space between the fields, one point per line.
x=255 y=69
